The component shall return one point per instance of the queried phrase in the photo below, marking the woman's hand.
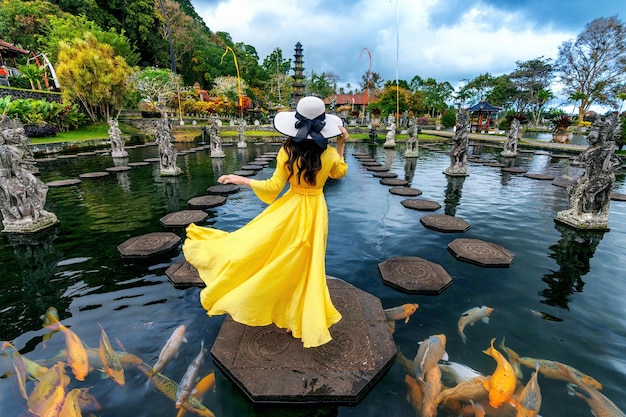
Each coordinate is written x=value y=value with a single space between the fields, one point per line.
x=341 y=139
x=234 y=179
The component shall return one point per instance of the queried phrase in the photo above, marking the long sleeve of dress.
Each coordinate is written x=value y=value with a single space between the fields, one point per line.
x=267 y=190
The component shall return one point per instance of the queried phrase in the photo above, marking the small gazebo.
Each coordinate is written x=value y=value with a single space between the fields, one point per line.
x=481 y=115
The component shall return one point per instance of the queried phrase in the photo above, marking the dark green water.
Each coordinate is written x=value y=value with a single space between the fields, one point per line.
x=562 y=298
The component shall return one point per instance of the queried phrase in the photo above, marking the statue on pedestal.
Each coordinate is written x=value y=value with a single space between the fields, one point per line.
x=412 y=144
x=167 y=151
x=590 y=195
x=390 y=139
x=22 y=194
x=117 y=142
x=460 y=145
x=510 y=145
x=241 y=129
x=216 y=140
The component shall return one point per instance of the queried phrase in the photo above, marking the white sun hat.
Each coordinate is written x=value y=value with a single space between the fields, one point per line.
x=309 y=121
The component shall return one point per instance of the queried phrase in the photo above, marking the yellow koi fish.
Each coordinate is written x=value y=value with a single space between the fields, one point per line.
x=549 y=369
x=202 y=387
x=71 y=406
x=401 y=312
x=128 y=360
x=190 y=376
x=16 y=369
x=469 y=390
x=76 y=352
x=429 y=353
x=170 y=349
x=501 y=385
x=458 y=372
x=111 y=364
x=432 y=388
x=169 y=388
x=529 y=400
x=471 y=316
x=33 y=369
x=47 y=397
x=600 y=405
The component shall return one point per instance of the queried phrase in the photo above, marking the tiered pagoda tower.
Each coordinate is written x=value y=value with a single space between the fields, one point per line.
x=298 y=77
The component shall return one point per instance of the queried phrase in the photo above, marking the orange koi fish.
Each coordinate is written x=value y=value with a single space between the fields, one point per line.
x=471 y=316
x=430 y=351
x=47 y=397
x=549 y=369
x=111 y=364
x=600 y=405
x=415 y=394
x=401 y=312
x=202 y=387
x=71 y=406
x=33 y=369
x=502 y=382
x=128 y=360
x=190 y=376
x=530 y=398
x=76 y=352
x=469 y=390
x=432 y=388
x=170 y=349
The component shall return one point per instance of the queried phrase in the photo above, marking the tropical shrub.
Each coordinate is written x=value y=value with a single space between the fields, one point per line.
x=448 y=119
x=61 y=117
x=561 y=123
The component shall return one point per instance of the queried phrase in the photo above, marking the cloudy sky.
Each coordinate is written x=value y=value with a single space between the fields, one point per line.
x=449 y=40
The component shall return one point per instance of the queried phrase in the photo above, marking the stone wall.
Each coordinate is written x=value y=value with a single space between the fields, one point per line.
x=19 y=93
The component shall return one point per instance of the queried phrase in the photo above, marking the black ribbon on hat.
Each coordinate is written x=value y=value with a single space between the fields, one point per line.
x=311 y=127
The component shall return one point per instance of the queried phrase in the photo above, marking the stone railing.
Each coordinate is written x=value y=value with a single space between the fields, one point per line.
x=20 y=93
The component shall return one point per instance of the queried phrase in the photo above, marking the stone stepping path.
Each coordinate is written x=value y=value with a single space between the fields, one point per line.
x=370 y=163
x=261 y=162
x=86 y=153
x=421 y=204
x=245 y=173
x=269 y=365
x=152 y=160
x=394 y=182
x=138 y=164
x=63 y=183
x=223 y=189
x=119 y=169
x=148 y=245
x=515 y=170
x=414 y=275
x=183 y=218
x=480 y=252
x=183 y=275
x=377 y=168
x=444 y=223
x=207 y=201
x=385 y=174
x=618 y=197
x=67 y=156
x=494 y=165
x=545 y=177
x=405 y=191
x=98 y=174
x=252 y=167
x=563 y=182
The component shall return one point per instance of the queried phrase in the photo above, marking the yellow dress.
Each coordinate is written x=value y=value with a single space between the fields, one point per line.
x=272 y=270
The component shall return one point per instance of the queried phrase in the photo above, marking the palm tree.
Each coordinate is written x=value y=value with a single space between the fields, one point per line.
x=621 y=96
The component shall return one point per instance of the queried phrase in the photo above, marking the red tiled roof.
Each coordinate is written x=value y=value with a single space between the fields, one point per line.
x=343 y=99
x=9 y=47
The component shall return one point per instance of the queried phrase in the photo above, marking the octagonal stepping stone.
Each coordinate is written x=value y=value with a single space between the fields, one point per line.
x=270 y=154
x=479 y=160
x=183 y=218
x=120 y=168
x=207 y=201
x=394 y=182
x=138 y=164
x=494 y=164
x=444 y=223
x=184 y=275
x=544 y=177
x=269 y=365
x=370 y=163
x=560 y=155
x=245 y=173
x=98 y=174
x=385 y=174
x=63 y=183
x=414 y=275
x=223 y=189
x=563 y=182
x=86 y=153
x=481 y=253
x=261 y=161
x=405 y=191
x=618 y=197
x=515 y=170
x=152 y=160
x=150 y=244
x=377 y=168
x=67 y=156
x=252 y=167
x=45 y=159
x=420 y=204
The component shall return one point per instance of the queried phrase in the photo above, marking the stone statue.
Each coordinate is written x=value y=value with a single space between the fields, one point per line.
x=22 y=194
x=590 y=194
x=216 y=140
x=117 y=142
x=241 y=129
x=167 y=151
x=373 y=134
x=390 y=139
x=510 y=145
x=412 y=144
x=12 y=133
x=460 y=145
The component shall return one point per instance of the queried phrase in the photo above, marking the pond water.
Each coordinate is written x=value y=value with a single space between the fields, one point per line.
x=562 y=298
x=547 y=137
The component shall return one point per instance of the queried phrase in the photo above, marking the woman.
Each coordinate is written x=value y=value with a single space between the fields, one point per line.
x=272 y=270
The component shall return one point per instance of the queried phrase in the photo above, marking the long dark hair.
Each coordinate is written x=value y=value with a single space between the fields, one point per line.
x=306 y=157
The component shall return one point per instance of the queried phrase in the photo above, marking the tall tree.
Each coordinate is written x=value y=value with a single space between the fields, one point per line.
x=22 y=22
x=93 y=76
x=476 y=89
x=277 y=69
x=595 y=63
x=530 y=77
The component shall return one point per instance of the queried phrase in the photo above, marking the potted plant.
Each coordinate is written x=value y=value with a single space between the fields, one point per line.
x=560 y=133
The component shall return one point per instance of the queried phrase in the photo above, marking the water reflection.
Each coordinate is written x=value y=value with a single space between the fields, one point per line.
x=409 y=169
x=171 y=193
x=573 y=253
x=452 y=199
